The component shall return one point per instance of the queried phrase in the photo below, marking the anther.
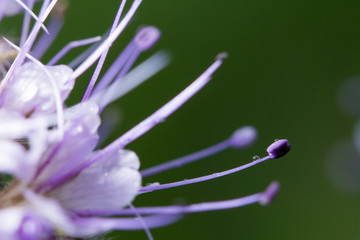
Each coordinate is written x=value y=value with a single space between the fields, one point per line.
x=270 y=193
x=279 y=148
x=222 y=56
x=243 y=137
x=147 y=37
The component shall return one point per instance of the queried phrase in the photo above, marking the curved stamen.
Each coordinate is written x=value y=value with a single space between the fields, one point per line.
x=178 y=209
x=94 y=225
x=201 y=179
x=71 y=45
x=269 y=193
x=276 y=150
x=179 y=162
x=161 y=114
x=241 y=138
x=143 y=126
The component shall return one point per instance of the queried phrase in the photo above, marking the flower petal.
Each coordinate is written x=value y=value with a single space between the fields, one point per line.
x=77 y=145
x=111 y=183
x=31 y=91
x=12 y=158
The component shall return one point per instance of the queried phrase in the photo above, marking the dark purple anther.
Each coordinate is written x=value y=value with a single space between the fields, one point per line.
x=279 y=148
x=270 y=193
x=147 y=37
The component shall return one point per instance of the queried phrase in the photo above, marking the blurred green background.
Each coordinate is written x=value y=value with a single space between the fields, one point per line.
x=286 y=61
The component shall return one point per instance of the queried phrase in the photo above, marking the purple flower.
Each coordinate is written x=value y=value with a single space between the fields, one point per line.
x=62 y=184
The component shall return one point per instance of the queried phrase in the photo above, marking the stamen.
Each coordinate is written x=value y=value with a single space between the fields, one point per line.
x=109 y=120
x=150 y=34
x=147 y=37
x=178 y=209
x=81 y=57
x=97 y=53
x=103 y=55
x=28 y=44
x=114 y=68
x=201 y=179
x=95 y=225
x=279 y=148
x=108 y=94
x=144 y=39
x=134 y=78
x=241 y=138
x=28 y=10
x=270 y=193
x=161 y=114
x=143 y=126
x=43 y=44
x=58 y=102
x=146 y=228
x=192 y=208
x=26 y=23
x=71 y=45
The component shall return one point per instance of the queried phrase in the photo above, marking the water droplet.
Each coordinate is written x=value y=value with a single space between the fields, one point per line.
x=256 y=157
x=276 y=140
x=153 y=184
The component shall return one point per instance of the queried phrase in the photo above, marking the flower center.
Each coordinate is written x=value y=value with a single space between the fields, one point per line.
x=12 y=195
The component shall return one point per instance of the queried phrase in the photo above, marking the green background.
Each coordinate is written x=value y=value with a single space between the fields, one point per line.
x=286 y=61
